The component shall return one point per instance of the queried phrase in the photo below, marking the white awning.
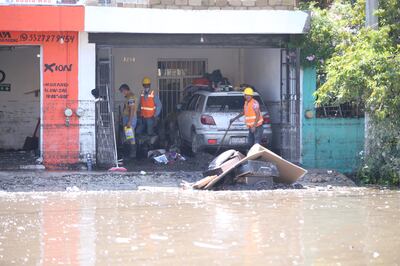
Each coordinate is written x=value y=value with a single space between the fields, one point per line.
x=166 y=21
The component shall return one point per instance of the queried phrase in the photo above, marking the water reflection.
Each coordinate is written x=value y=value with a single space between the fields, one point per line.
x=354 y=227
x=60 y=232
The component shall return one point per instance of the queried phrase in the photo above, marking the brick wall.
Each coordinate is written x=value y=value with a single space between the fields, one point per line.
x=201 y=4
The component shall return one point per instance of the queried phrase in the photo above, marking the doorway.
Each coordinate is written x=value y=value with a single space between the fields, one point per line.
x=20 y=101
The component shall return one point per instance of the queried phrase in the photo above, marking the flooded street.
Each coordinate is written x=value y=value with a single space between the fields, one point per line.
x=348 y=226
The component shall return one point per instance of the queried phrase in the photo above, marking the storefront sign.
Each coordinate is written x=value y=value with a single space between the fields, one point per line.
x=4 y=86
x=58 y=68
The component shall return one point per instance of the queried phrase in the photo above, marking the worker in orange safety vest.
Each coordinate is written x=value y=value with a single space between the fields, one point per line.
x=150 y=108
x=253 y=117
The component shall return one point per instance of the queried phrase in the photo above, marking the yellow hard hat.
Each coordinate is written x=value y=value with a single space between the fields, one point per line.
x=146 y=81
x=248 y=91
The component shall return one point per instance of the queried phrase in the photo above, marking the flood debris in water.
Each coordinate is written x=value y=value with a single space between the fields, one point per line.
x=259 y=170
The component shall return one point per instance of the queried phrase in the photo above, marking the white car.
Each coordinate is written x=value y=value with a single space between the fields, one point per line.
x=204 y=119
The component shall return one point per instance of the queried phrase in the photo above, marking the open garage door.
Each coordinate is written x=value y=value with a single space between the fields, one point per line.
x=260 y=60
x=273 y=71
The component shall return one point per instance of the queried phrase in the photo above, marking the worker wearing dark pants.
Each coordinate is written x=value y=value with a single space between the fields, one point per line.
x=129 y=118
x=256 y=136
x=150 y=108
x=253 y=118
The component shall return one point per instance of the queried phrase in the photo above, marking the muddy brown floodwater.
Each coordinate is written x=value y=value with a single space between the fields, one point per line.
x=158 y=226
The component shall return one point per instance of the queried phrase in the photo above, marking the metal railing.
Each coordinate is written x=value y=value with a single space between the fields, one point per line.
x=345 y=110
x=174 y=75
x=104 y=130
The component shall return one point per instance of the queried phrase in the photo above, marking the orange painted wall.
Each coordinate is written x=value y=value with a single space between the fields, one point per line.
x=42 y=18
x=59 y=91
x=46 y=26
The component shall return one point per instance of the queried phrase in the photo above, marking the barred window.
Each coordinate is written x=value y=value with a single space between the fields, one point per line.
x=173 y=76
x=182 y=68
x=332 y=110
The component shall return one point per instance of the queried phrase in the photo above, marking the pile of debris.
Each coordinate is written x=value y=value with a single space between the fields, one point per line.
x=161 y=156
x=260 y=169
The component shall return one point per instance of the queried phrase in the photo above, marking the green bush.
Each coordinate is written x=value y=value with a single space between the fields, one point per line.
x=362 y=65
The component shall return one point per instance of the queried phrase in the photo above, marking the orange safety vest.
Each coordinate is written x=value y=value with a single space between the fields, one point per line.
x=250 y=114
x=147 y=106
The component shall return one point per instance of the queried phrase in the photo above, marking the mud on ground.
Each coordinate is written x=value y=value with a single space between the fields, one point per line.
x=192 y=163
x=141 y=172
x=25 y=181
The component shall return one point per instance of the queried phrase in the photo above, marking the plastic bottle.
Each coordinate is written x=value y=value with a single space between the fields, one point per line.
x=89 y=162
x=130 y=135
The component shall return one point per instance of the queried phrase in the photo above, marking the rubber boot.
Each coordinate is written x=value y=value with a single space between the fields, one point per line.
x=132 y=151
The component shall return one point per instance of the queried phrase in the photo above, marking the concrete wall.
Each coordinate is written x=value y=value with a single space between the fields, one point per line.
x=203 y=4
x=262 y=69
x=143 y=62
x=87 y=82
x=333 y=143
x=19 y=112
x=259 y=67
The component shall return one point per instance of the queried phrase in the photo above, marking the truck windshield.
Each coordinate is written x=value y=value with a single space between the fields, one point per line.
x=228 y=103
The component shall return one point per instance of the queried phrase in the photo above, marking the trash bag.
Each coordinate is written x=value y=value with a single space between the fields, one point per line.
x=216 y=76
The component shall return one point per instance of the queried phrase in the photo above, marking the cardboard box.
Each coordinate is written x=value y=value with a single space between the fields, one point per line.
x=288 y=172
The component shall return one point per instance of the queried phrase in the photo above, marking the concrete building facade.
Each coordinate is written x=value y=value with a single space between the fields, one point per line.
x=68 y=50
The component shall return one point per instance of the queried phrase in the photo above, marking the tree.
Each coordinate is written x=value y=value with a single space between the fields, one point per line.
x=362 y=65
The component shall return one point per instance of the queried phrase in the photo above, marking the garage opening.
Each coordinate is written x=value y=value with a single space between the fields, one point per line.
x=19 y=105
x=262 y=63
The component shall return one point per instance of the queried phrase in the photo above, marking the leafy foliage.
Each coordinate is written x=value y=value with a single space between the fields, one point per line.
x=329 y=29
x=389 y=16
x=362 y=65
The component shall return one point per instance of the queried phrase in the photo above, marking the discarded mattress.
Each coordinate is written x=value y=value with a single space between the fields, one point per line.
x=288 y=172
